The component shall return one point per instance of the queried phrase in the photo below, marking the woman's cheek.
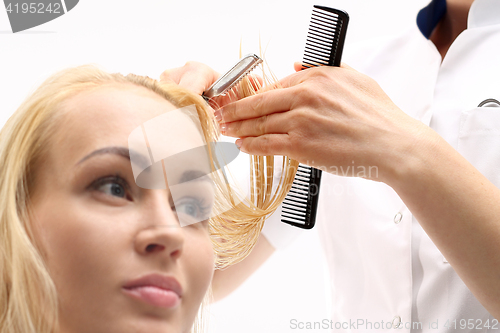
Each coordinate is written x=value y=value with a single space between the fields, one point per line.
x=202 y=262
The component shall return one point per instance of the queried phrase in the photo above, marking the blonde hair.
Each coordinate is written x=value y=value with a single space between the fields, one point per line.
x=28 y=299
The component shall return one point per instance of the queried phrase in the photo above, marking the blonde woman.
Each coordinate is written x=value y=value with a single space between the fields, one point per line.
x=83 y=248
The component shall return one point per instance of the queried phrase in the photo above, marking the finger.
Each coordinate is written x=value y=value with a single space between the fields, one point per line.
x=259 y=105
x=269 y=144
x=198 y=82
x=276 y=123
x=194 y=76
x=297 y=66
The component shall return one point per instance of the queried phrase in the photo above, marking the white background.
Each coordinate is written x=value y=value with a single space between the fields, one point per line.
x=146 y=37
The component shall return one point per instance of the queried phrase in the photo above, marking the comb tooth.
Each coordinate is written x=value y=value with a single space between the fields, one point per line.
x=323 y=35
x=325 y=21
x=293 y=221
x=317 y=11
x=296 y=191
x=294 y=212
x=300 y=195
x=308 y=65
x=319 y=42
x=299 y=191
x=301 y=203
x=325 y=12
x=301 y=187
x=315 y=34
x=311 y=65
x=292 y=208
x=323 y=26
x=303 y=174
x=313 y=56
x=315 y=47
x=326 y=42
x=303 y=179
x=324 y=16
x=317 y=55
x=295 y=215
x=316 y=62
x=313 y=62
x=313 y=38
x=300 y=182
x=295 y=207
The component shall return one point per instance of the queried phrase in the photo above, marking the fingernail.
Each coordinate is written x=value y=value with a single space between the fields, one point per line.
x=223 y=128
x=218 y=115
x=238 y=143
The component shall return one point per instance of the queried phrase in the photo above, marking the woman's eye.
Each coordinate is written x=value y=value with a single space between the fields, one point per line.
x=188 y=208
x=114 y=186
x=193 y=207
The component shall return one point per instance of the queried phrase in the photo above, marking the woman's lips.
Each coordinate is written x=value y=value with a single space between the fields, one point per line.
x=156 y=289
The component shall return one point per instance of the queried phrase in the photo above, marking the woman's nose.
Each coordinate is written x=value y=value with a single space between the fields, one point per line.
x=162 y=232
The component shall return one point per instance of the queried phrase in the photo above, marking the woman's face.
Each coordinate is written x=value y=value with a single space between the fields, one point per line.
x=100 y=232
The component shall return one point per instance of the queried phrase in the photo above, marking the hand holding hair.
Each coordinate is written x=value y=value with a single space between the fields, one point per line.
x=194 y=76
x=325 y=117
x=198 y=77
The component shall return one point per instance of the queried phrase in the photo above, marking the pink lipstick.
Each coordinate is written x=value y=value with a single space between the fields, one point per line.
x=155 y=289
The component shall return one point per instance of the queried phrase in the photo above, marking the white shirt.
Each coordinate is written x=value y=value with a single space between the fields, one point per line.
x=382 y=264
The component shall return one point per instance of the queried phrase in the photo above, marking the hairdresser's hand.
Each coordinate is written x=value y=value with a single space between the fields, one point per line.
x=328 y=117
x=198 y=77
x=194 y=76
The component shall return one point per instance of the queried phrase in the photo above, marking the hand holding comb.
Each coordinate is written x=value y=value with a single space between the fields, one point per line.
x=324 y=45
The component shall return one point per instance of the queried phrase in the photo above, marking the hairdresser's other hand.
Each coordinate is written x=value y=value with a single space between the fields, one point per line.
x=327 y=117
x=194 y=76
x=198 y=77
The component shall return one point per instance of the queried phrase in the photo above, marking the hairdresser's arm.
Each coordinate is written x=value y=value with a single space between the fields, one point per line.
x=338 y=117
x=198 y=77
x=228 y=280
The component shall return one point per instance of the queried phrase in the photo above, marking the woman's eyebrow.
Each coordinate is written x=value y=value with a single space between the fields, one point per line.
x=191 y=175
x=121 y=151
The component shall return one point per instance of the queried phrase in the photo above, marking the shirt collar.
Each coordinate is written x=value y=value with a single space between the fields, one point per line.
x=481 y=13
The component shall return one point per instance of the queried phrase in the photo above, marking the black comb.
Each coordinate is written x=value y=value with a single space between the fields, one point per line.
x=324 y=45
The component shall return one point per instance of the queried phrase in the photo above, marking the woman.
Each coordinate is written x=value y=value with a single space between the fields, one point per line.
x=84 y=249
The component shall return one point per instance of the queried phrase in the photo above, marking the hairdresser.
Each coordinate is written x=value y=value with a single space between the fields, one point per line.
x=419 y=239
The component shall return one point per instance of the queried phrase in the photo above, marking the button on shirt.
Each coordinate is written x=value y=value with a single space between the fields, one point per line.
x=383 y=266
